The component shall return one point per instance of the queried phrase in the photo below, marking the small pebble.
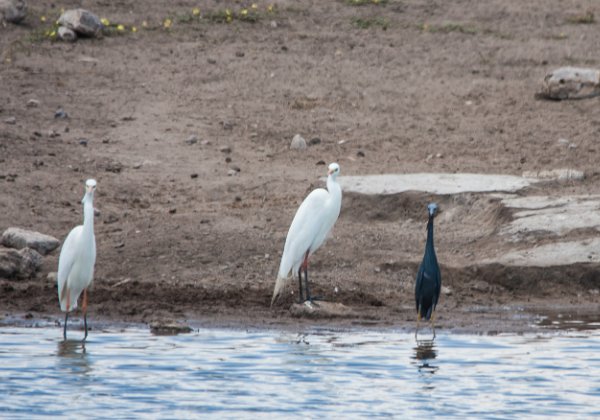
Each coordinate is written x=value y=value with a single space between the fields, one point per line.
x=321 y=162
x=172 y=211
x=211 y=61
x=83 y=142
x=240 y=54
x=273 y=24
x=298 y=143
x=314 y=141
x=360 y=153
x=193 y=139
x=193 y=176
x=33 y=103
x=10 y=120
x=232 y=172
x=227 y=159
x=137 y=166
x=225 y=149
x=235 y=168
x=60 y=113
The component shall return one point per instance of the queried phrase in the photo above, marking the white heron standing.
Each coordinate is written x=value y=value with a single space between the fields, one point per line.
x=77 y=259
x=314 y=219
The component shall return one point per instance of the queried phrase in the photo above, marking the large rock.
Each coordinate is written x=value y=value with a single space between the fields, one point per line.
x=571 y=83
x=82 y=22
x=13 y=11
x=19 y=264
x=20 y=238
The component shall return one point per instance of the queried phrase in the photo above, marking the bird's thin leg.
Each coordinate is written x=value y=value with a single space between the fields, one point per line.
x=418 y=321
x=300 y=296
x=65 y=326
x=84 y=309
x=305 y=267
x=433 y=323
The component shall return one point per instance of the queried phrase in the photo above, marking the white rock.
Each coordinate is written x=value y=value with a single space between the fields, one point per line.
x=81 y=21
x=13 y=11
x=564 y=174
x=67 y=34
x=298 y=143
x=571 y=83
x=432 y=183
x=21 y=238
x=33 y=103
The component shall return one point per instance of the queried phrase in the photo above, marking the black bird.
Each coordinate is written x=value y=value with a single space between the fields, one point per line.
x=429 y=278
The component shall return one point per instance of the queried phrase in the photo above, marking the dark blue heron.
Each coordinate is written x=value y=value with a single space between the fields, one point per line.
x=429 y=279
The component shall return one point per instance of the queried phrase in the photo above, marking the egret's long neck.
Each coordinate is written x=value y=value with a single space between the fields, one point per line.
x=88 y=215
x=429 y=249
x=334 y=189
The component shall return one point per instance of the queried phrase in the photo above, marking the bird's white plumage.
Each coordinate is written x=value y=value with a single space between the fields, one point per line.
x=78 y=255
x=312 y=223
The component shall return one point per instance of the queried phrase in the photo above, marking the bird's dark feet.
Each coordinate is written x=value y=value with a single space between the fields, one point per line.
x=313 y=300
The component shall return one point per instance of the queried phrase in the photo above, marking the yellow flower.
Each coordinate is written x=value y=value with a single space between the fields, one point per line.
x=43 y=18
x=133 y=29
x=52 y=34
x=254 y=6
x=196 y=11
x=167 y=23
x=105 y=22
x=227 y=12
x=144 y=24
x=270 y=8
x=120 y=28
x=229 y=19
x=375 y=1
x=244 y=12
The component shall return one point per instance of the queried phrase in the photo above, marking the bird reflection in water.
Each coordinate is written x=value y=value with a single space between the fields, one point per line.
x=425 y=351
x=72 y=356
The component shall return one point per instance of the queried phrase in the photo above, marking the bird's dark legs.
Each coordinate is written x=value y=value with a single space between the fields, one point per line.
x=65 y=326
x=418 y=321
x=300 y=295
x=433 y=323
x=84 y=309
x=308 y=297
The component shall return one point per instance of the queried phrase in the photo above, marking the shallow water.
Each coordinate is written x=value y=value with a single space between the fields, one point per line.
x=320 y=374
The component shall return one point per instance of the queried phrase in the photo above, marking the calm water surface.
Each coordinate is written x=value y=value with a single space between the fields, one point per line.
x=319 y=374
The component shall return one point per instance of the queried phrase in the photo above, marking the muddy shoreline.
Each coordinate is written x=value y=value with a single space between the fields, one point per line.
x=193 y=231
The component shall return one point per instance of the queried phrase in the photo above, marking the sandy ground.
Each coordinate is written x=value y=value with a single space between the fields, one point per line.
x=394 y=87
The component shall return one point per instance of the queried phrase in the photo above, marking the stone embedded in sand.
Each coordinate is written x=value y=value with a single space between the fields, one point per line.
x=564 y=174
x=571 y=83
x=10 y=120
x=432 y=183
x=298 y=143
x=321 y=309
x=82 y=22
x=13 y=11
x=67 y=34
x=20 y=238
x=19 y=264
x=169 y=328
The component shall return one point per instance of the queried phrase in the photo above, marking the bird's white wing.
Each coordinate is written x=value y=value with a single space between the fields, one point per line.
x=303 y=231
x=66 y=261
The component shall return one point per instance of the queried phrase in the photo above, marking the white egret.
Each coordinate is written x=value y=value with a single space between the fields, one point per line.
x=314 y=219
x=77 y=259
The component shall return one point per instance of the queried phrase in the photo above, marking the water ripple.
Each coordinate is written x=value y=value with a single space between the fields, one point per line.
x=319 y=374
